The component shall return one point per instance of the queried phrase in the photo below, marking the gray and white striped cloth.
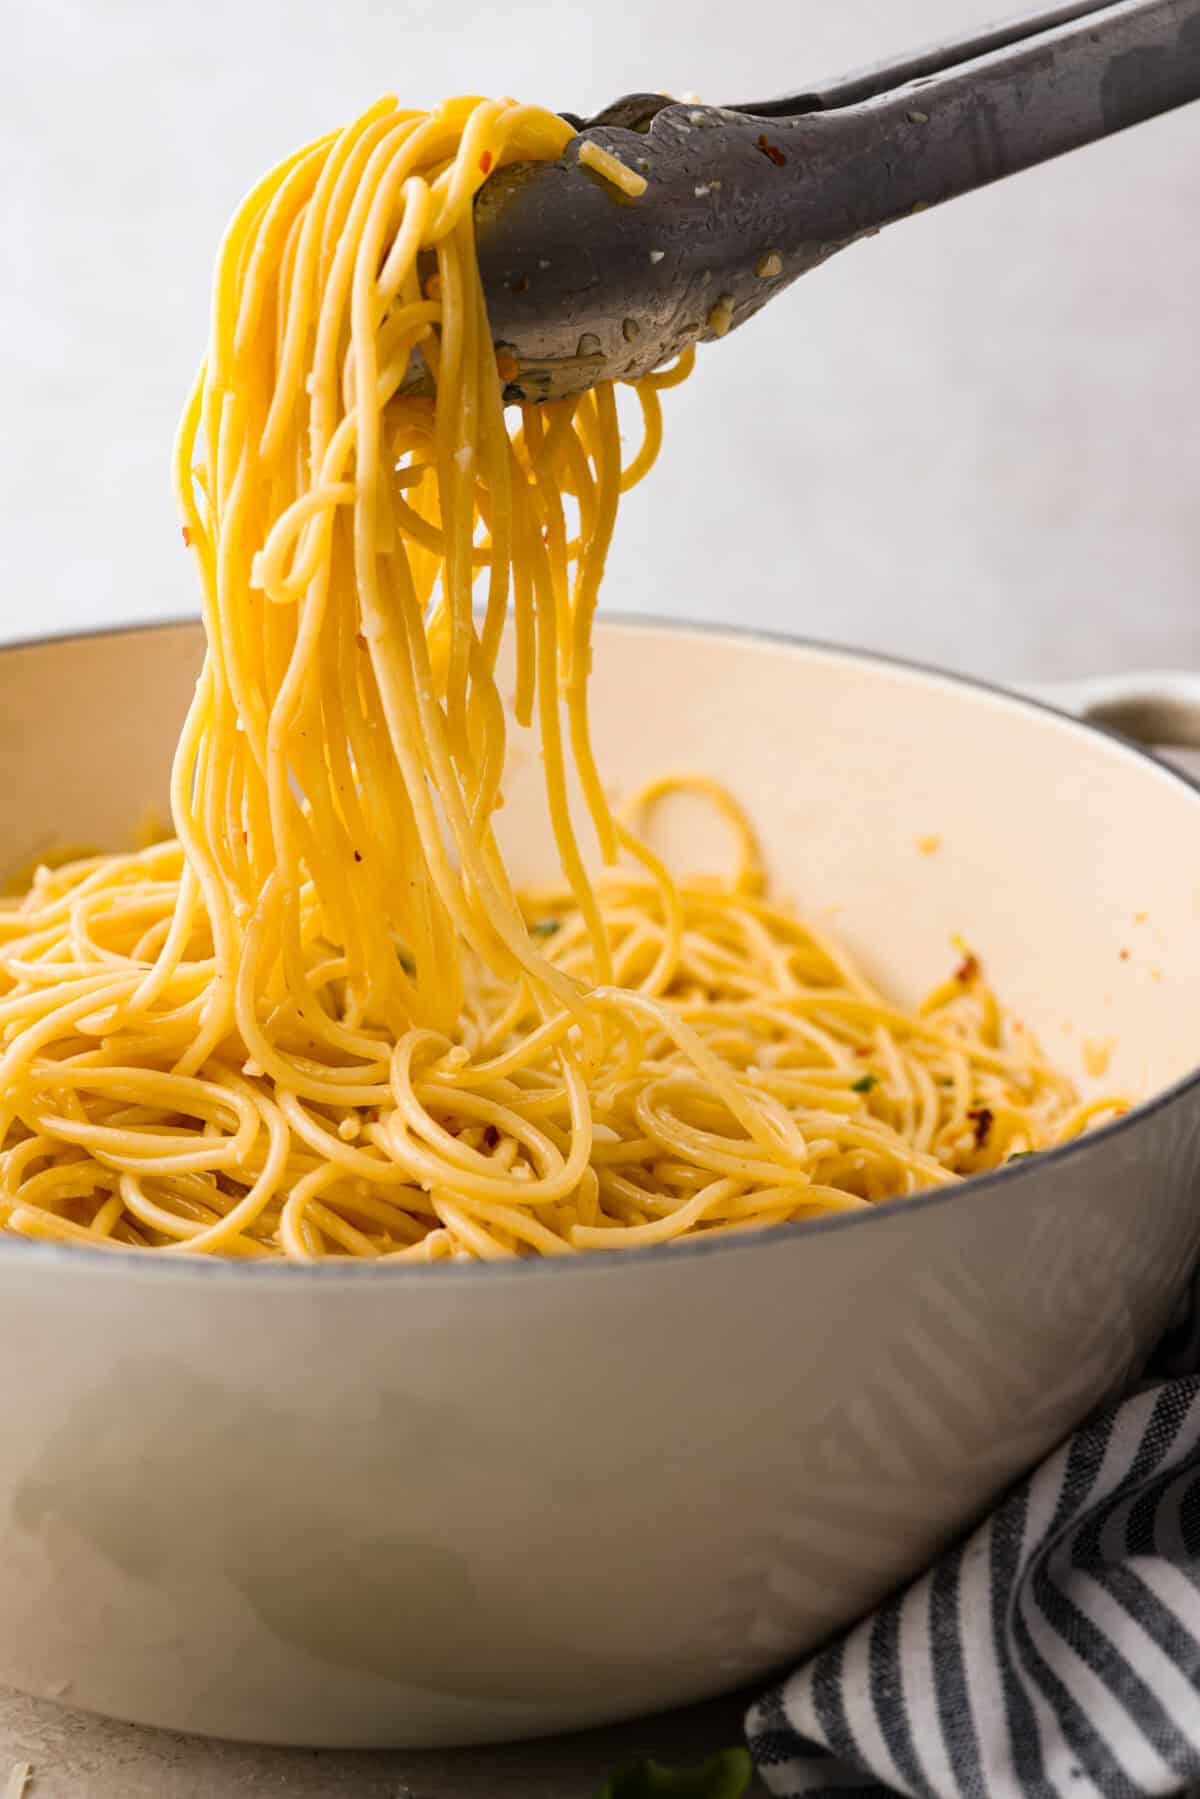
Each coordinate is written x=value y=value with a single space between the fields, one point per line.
x=1055 y=1654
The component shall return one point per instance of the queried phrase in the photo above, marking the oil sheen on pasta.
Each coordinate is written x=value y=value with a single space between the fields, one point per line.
x=319 y=1022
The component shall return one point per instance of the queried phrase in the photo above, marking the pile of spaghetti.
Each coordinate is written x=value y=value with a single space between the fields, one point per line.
x=320 y=1022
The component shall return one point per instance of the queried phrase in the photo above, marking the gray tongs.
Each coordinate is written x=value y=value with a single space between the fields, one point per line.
x=583 y=283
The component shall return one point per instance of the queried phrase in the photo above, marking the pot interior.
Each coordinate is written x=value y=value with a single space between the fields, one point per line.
x=898 y=809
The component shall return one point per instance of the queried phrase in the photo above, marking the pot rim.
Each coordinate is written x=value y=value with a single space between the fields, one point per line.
x=599 y=1261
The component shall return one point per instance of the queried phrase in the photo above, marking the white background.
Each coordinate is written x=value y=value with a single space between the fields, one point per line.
x=973 y=439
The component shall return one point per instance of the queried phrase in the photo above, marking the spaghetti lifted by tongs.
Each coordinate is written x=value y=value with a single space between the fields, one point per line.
x=320 y=1022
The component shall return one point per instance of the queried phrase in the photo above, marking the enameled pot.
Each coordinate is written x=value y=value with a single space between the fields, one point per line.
x=356 y=1506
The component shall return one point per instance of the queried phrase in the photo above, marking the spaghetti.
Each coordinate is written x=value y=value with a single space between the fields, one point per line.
x=604 y=163
x=319 y=1022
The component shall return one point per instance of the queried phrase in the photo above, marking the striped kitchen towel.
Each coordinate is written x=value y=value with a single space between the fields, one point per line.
x=1054 y=1654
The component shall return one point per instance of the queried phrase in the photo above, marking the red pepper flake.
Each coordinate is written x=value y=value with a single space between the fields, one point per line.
x=981 y=1118
x=360 y=640
x=967 y=970
x=485 y=162
x=187 y=536
x=358 y=855
x=772 y=152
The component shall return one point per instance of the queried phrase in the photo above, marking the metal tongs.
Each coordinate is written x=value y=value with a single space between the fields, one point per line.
x=583 y=283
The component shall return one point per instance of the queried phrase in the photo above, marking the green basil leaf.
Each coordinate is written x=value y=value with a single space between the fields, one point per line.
x=726 y=1776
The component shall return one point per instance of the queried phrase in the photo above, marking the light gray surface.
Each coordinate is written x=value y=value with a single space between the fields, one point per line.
x=76 y=1757
x=973 y=439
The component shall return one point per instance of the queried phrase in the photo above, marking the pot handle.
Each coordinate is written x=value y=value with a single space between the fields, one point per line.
x=1158 y=710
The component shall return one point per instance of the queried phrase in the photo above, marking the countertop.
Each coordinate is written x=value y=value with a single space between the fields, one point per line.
x=74 y=1756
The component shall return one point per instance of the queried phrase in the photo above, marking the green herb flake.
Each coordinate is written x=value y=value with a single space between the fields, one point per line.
x=1019 y=1155
x=863 y=1084
x=545 y=927
x=406 y=962
x=726 y=1776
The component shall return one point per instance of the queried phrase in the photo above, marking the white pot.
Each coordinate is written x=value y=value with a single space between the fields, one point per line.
x=366 y=1506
